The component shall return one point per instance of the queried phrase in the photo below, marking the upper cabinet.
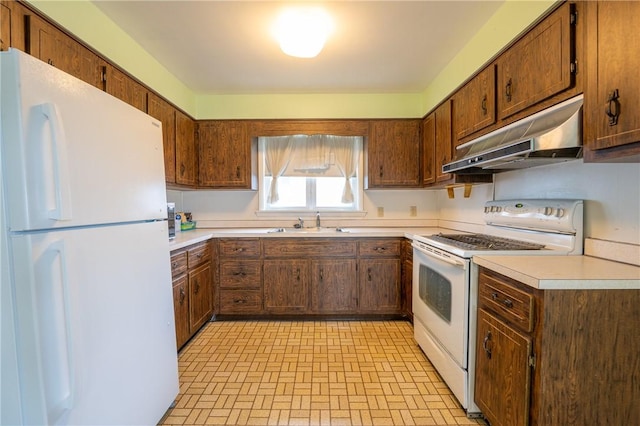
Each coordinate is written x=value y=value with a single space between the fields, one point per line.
x=51 y=45
x=227 y=155
x=186 y=155
x=393 y=154
x=540 y=65
x=5 y=27
x=612 y=99
x=163 y=111
x=436 y=141
x=476 y=104
x=123 y=87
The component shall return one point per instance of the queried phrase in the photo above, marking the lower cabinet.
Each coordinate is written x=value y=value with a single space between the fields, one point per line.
x=556 y=357
x=310 y=276
x=192 y=274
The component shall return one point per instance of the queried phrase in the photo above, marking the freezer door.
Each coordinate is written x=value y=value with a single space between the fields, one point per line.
x=72 y=154
x=96 y=336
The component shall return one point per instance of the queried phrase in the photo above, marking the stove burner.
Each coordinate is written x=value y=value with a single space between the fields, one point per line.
x=484 y=242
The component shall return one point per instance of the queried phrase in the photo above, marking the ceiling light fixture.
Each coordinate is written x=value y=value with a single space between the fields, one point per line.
x=302 y=32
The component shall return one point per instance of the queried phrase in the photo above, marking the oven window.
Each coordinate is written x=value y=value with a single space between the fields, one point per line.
x=435 y=291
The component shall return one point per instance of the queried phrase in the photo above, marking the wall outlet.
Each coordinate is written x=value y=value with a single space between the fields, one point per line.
x=380 y=211
x=413 y=211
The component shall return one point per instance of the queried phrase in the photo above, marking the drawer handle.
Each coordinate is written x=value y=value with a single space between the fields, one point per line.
x=369 y=274
x=380 y=249
x=197 y=287
x=174 y=265
x=298 y=274
x=239 y=274
x=182 y=295
x=239 y=249
x=238 y=172
x=485 y=344
x=381 y=172
x=239 y=301
x=484 y=105
x=321 y=274
x=199 y=255
x=506 y=302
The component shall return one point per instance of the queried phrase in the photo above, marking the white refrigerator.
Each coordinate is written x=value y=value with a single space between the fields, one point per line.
x=87 y=327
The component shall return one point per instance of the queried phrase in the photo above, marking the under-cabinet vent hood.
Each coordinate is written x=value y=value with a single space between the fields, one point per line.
x=550 y=136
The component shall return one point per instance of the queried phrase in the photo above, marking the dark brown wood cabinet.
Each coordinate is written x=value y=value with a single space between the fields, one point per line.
x=475 y=104
x=406 y=279
x=547 y=357
x=227 y=155
x=240 y=278
x=393 y=154
x=437 y=144
x=186 y=153
x=5 y=26
x=51 y=45
x=193 y=289
x=163 y=111
x=286 y=286
x=612 y=99
x=379 y=275
x=539 y=65
x=333 y=286
x=123 y=87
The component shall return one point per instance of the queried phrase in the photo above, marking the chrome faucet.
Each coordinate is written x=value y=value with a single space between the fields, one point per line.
x=300 y=223
x=317 y=219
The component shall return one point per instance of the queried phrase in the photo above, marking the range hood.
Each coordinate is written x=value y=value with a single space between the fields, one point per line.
x=550 y=136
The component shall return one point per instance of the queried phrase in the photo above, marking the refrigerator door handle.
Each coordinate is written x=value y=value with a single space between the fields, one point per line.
x=62 y=211
x=60 y=398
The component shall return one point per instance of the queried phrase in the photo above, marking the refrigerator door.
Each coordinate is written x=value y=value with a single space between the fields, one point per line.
x=75 y=155
x=96 y=334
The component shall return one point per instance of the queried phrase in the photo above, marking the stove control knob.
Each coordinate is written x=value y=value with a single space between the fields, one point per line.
x=548 y=211
x=560 y=213
x=487 y=209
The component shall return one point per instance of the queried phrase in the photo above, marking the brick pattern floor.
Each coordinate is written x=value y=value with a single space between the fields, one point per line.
x=310 y=373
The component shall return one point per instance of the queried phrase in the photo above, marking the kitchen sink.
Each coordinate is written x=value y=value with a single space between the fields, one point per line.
x=314 y=230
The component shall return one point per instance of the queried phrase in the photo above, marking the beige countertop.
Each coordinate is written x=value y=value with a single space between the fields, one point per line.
x=187 y=238
x=564 y=272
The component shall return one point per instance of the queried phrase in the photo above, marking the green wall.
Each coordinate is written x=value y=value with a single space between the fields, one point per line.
x=87 y=22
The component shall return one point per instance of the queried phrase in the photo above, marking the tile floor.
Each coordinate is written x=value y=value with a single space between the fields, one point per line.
x=310 y=373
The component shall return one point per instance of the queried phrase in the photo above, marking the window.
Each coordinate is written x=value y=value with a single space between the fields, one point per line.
x=310 y=173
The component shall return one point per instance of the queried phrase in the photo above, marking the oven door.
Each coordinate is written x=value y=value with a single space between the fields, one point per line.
x=441 y=298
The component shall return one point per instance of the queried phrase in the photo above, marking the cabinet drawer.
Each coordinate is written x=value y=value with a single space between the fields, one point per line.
x=240 y=301
x=245 y=247
x=380 y=247
x=178 y=263
x=512 y=304
x=244 y=274
x=198 y=253
x=315 y=247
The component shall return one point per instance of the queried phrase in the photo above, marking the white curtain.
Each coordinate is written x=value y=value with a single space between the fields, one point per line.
x=346 y=152
x=310 y=154
x=277 y=154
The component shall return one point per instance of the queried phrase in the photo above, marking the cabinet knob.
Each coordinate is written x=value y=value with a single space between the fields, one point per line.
x=612 y=107
x=380 y=249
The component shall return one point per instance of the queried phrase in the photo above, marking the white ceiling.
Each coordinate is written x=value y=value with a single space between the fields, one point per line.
x=226 y=47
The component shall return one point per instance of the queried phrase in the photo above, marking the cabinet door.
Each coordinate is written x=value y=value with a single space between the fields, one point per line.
x=393 y=154
x=334 y=286
x=186 y=160
x=429 y=149
x=125 y=88
x=5 y=27
x=225 y=158
x=443 y=142
x=161 y=110
x=379 y=281
x=200 y=296
x=475 y=104
x=181 y=310
x=503 y=375
x=539 y=65
x=615 y=92
x=51 y=45
x=286 y=286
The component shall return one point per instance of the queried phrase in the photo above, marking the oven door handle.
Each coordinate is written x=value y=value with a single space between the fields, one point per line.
x=436 y=254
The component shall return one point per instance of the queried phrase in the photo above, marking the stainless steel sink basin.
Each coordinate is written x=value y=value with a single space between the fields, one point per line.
x=313 y=230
